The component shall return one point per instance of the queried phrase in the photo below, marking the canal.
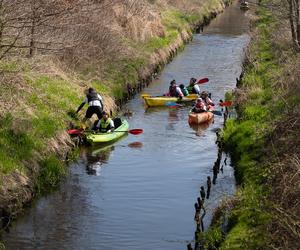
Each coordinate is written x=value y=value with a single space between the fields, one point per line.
x=139 y=193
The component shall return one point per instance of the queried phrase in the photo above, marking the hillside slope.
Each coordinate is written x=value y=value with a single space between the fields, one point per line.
x=50 y=52
x=264 y=141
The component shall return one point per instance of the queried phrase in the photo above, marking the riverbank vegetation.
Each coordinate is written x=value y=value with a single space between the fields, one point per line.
x=50 y=51
x=264 y=139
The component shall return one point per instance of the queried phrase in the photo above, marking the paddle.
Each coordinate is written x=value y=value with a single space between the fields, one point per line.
x=79 y=132
x=173 y=105
x=176 y=105
x=200 y=81
x=75 y=131
x=216 y=112
x=203 y=80
x=226 y=104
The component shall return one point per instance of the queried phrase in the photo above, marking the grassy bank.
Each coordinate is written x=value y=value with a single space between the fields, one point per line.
x=38 y=93
x=264 y=143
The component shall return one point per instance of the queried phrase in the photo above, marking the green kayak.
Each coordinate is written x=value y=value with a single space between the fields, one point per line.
x=121 y=129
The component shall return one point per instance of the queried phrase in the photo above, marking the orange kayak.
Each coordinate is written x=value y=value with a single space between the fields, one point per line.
x=197 y=118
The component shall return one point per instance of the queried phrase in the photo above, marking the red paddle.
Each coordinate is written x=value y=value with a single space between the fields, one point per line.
x=203 y=80
x=225 y=104
x=79 y=132
x=75 y=131
x=135 y=131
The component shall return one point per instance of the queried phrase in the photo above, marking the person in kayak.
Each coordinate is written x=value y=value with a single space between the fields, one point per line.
x=105 y=124
x=199 y=106
x=193 y=86
x=95 y=103
x=206 y=98
x=174 y=90
x=184 y=90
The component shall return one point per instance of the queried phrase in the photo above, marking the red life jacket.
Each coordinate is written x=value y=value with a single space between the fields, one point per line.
x=173 y=91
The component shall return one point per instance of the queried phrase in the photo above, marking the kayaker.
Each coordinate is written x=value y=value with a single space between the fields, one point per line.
x=184 y=90
x=95 y=103
x=206 y=98
x=199 y=106
x=174 y=90
x=105 y=124
x=193 y=86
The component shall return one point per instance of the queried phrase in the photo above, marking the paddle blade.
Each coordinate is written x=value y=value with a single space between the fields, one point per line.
x=225 y=104
x=136 y=131
x=171 y=104
x=75 y=132
x=203 y=80
x=217 y=112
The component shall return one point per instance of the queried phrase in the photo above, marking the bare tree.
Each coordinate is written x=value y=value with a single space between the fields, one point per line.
x=294 y=19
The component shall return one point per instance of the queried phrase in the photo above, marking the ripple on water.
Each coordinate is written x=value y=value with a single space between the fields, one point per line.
x=144 y=195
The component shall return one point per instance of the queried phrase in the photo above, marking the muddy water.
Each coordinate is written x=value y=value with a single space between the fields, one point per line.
x=139 y=193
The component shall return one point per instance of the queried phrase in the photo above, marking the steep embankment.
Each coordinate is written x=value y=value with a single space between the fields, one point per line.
x=106 y=45
x=264 y=142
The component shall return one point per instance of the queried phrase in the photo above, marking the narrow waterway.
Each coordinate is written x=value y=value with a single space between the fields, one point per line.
x=139 y=193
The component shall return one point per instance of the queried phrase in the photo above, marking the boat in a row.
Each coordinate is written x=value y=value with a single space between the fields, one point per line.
x=199 y=118
x=156 y=101
x=244 y=5
x=122 y=126
x=91 y=137
x=194 y=118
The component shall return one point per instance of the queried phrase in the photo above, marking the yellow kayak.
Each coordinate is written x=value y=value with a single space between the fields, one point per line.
x=164 y=100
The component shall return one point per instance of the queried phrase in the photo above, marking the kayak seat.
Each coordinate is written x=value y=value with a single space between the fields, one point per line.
x=117 y=122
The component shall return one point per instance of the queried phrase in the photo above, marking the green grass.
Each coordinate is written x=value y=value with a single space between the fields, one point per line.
x=49 y=102
x=161 y=42
x=15 y=146
x=246 y=139
x=50 y=173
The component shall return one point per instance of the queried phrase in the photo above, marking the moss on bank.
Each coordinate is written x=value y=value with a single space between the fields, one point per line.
x=266 y=215
x=39 y=94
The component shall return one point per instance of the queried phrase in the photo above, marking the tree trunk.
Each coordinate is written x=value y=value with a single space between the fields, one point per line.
x=32 y=29
x=291 y=19
x=297 y=22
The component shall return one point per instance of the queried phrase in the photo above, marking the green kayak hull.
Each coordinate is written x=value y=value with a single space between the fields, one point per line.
x=108 y=137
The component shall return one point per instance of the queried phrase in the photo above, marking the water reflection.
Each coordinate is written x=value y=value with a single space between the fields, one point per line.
x=231 y=23
x=155 y=184
x=96 y=157
x=136 y=144
x=200 y=128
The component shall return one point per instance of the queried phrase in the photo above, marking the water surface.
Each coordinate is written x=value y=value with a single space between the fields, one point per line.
x=139 y=193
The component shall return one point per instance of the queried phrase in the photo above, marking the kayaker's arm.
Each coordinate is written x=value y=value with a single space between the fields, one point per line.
x=80 y=107
x=111 y=126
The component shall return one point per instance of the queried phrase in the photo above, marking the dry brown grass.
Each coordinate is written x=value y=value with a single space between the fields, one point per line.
x=285 y=180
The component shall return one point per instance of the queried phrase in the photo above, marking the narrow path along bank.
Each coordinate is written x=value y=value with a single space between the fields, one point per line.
x=140 y=192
